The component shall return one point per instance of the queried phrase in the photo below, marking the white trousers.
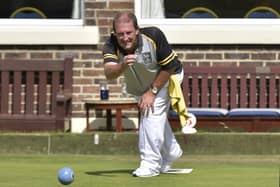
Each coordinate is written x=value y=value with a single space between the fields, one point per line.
x=157 y=142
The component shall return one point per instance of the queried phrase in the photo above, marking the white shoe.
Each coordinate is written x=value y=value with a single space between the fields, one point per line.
x=166 y=165
x=144 y=172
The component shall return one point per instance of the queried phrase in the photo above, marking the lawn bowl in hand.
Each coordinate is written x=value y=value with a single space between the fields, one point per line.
x=65 y=175
x=189 y=126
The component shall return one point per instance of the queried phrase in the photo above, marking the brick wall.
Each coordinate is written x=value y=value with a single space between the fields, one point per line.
x=88 y=68
x=228 y=55
x=101 y=13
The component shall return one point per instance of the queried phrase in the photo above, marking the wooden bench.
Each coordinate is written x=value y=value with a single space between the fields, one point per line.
x=250 y=95
x=35 y=95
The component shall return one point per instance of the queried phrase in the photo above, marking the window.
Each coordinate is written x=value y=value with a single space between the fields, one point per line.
x=54 y=12
x=262 y=12
x=51 y=9
x=44 y=22
x=213 y=21
x=223 y=9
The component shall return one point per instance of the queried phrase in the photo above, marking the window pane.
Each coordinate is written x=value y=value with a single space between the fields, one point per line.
x=210 y=9
x=52 y=9
x=230 y=25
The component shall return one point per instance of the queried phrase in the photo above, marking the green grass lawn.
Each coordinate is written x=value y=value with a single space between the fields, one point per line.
x=107 y=171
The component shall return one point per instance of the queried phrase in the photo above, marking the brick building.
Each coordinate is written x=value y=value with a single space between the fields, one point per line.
x=199 y=43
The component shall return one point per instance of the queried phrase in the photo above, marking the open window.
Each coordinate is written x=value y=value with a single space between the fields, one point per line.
x=235 y=21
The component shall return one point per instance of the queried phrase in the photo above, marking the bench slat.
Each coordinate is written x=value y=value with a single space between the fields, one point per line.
x=29 y=97
x=223 y=96
x=4 y=92
x=204 y=91
x=233 y=91
x=263 y=97
x=243 y=91
x=55 y=89
x=42 y=92
x=272 y=92
x=253 y=91
x=195 y=91
x=214 y=92
x=16 y=103
x=68 y=74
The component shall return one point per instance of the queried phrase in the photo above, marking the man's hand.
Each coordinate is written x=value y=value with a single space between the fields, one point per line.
x=129 y=59
x=113 y=70
x=146 y=104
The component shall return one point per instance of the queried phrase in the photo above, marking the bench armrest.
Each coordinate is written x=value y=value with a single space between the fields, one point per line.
x=64 y=96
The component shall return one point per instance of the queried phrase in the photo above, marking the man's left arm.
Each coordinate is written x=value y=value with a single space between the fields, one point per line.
x=148 y=98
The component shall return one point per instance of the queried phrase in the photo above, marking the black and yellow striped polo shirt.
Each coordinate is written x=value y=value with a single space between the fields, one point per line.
x=153 y=54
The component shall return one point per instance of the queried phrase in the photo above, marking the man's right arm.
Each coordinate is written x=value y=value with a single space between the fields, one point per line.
x=113 y=70
x=112 y=67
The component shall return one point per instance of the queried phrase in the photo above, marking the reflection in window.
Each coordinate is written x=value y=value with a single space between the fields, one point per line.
x=51 y=9
x=28 y=12
x=262 y=12
x=212 y=8
x=200 y=12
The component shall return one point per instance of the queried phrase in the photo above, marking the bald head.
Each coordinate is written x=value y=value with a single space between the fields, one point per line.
x=125 y=17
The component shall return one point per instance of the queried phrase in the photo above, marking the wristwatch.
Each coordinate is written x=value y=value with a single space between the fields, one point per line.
x=154 y=90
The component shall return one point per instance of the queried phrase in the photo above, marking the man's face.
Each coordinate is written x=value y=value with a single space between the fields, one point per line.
x=126 y=36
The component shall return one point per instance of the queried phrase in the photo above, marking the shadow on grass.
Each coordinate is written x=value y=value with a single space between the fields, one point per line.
x=109 y=172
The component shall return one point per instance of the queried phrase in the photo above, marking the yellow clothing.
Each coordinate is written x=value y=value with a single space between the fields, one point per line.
x=177 y=99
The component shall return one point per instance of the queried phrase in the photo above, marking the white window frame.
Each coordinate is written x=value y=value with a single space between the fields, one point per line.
x=215 y=31
x=47 y=32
